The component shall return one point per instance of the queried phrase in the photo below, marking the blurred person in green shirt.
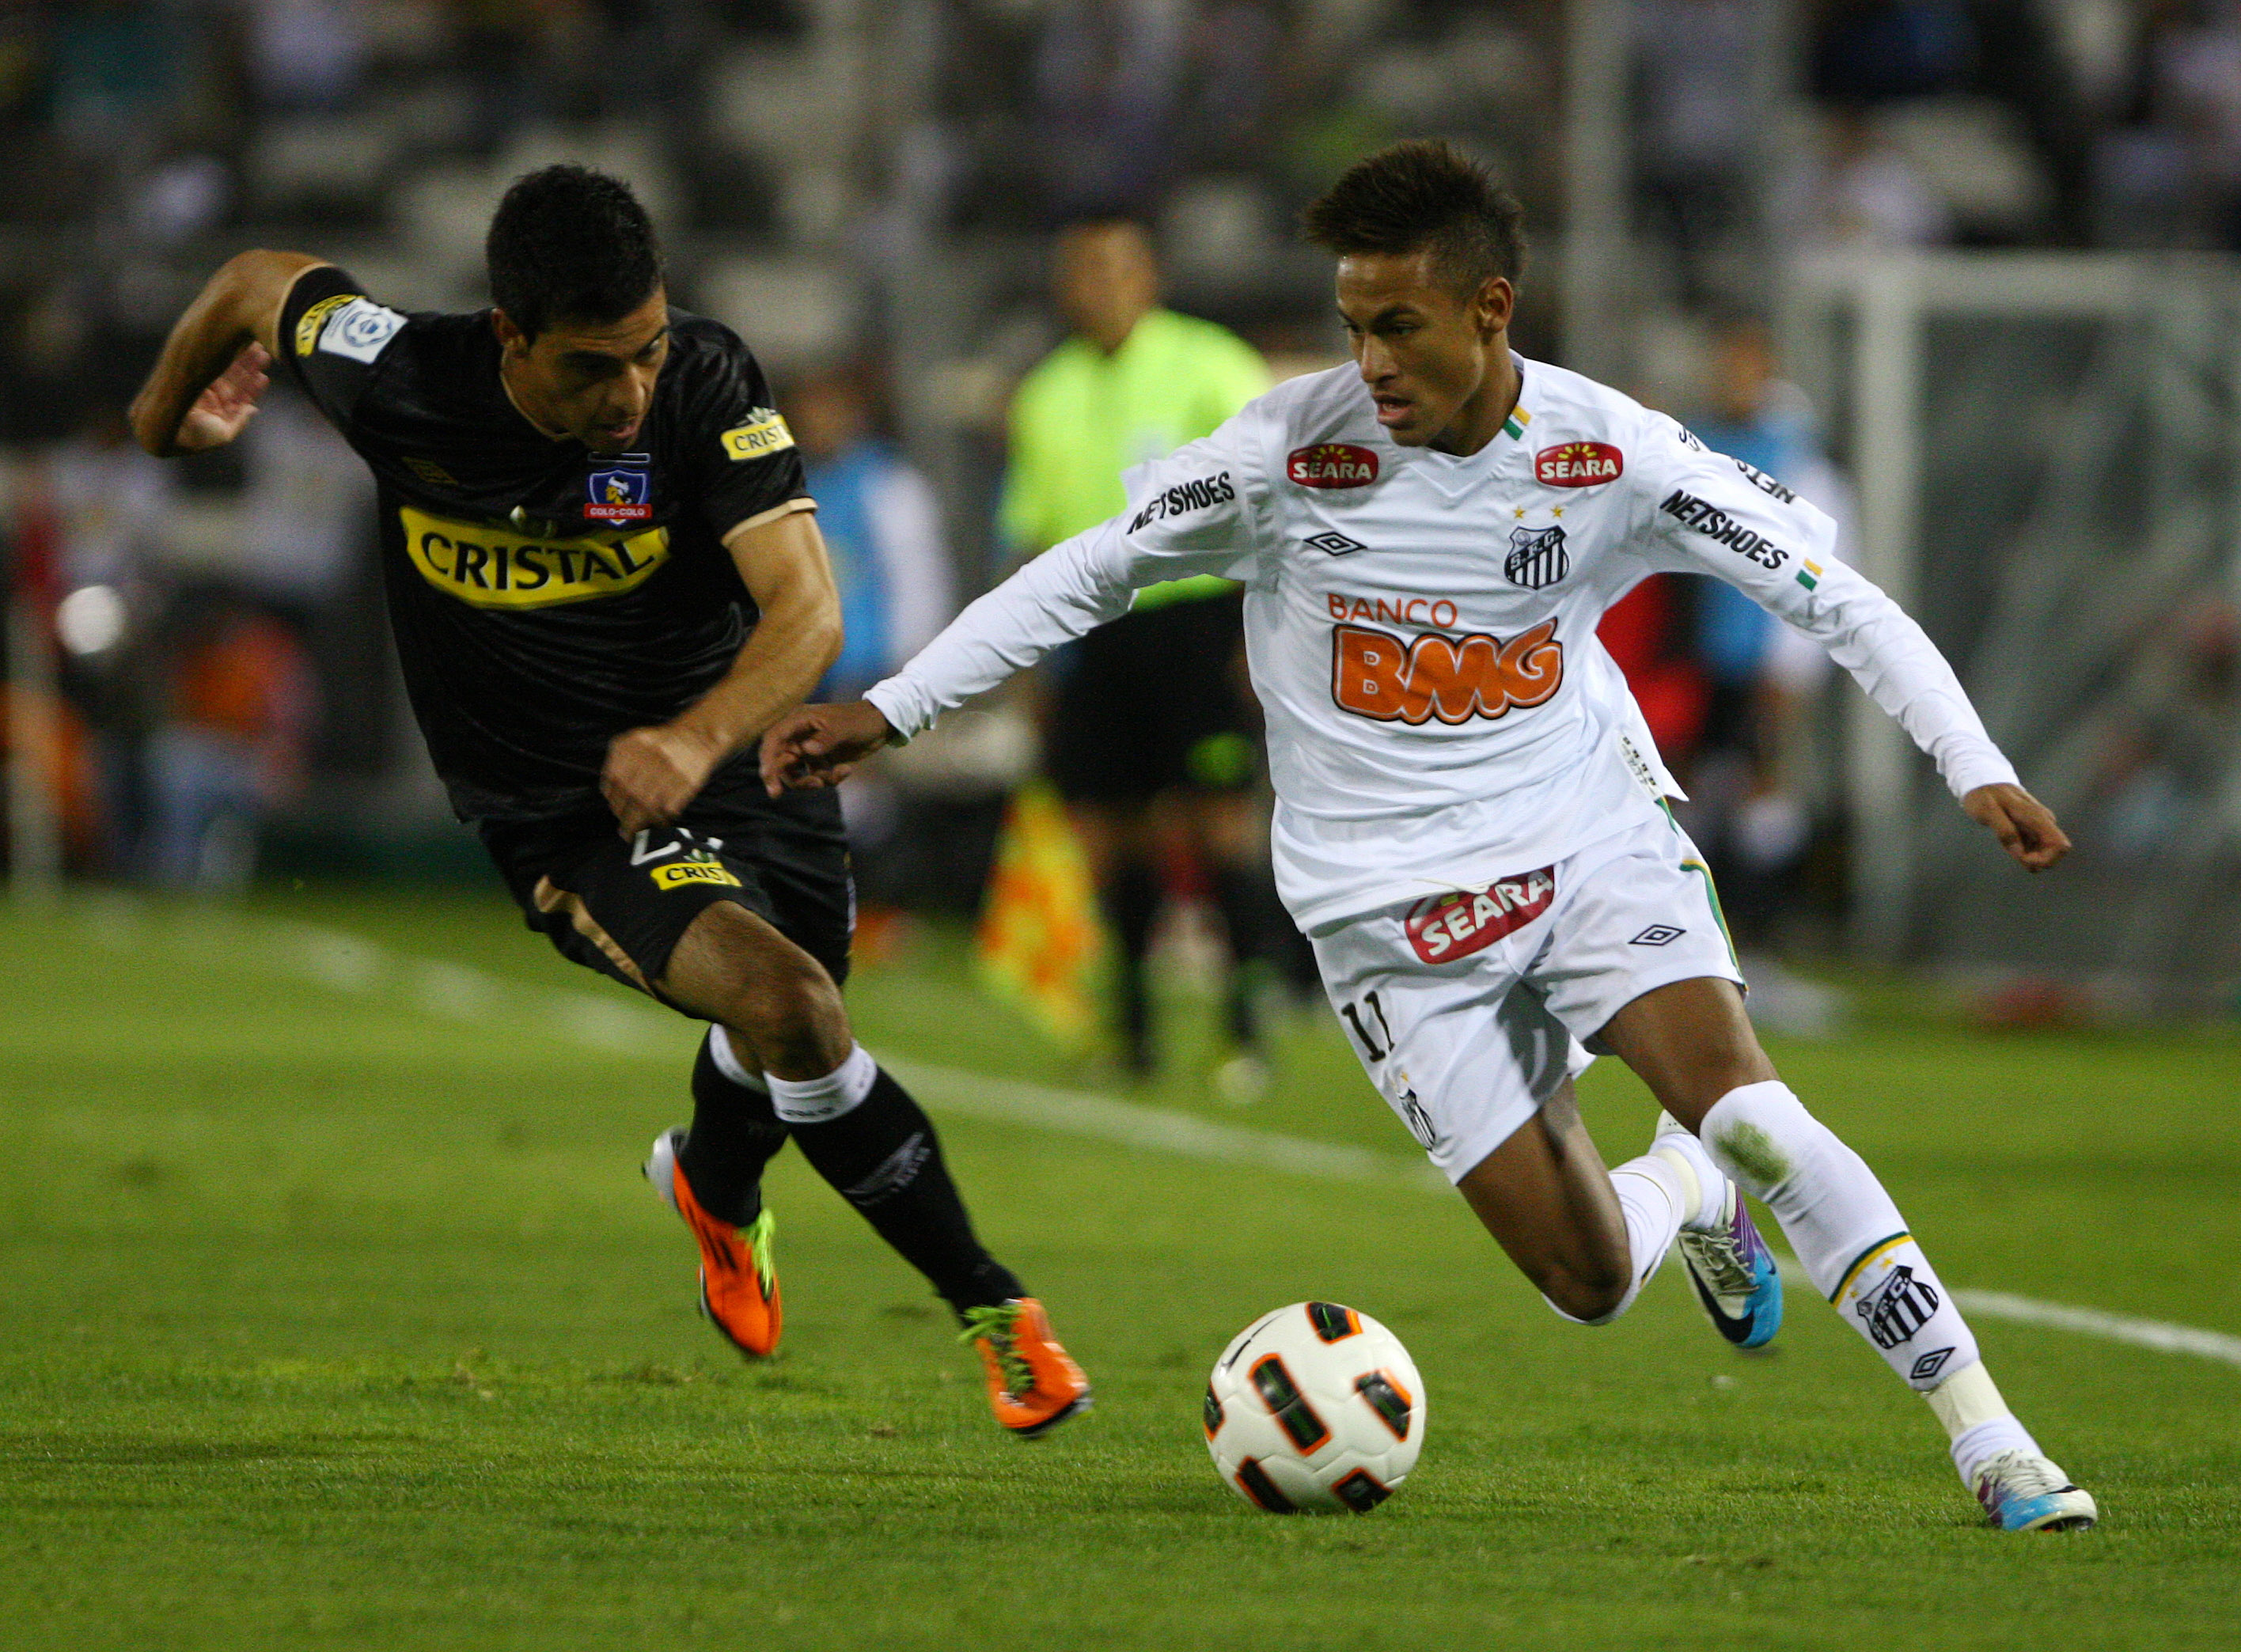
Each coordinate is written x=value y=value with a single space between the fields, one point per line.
x=1150 y=727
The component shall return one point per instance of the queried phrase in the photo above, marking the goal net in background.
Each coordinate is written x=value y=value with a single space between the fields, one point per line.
x=2047 y=449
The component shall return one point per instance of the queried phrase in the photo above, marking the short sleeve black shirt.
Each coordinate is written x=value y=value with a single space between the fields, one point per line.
x=545 y=598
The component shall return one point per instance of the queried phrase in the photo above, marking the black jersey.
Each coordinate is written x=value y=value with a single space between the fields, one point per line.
x=545 y=598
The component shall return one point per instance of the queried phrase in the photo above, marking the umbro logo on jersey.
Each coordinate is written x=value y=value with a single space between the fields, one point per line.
x=1537 y=558
x=1657 y=935
x=1337 y=543
x=1578 y=464
x=1330 y=464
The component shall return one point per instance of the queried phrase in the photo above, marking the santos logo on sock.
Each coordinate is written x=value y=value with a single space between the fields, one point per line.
x=1898 y=1308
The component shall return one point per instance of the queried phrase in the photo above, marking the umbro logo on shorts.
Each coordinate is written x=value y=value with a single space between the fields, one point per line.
x=1657 y=935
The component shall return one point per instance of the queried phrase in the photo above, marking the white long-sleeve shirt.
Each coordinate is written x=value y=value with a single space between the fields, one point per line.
x=1422 y=627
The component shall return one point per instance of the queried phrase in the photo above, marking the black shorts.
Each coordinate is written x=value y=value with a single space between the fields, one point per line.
x=1153 y=703
x=620 y=905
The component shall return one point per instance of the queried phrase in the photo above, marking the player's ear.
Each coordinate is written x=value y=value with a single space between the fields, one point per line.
x=510 y=338
x=1492 y=305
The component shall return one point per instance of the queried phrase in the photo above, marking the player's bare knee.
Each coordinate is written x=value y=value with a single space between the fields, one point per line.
x=790 y=1011
x=769 y=992
x=1590 y=1291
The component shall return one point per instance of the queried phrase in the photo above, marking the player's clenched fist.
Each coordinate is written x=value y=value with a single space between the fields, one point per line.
x=652 y=774
x=2026 y=827
x=820 y=746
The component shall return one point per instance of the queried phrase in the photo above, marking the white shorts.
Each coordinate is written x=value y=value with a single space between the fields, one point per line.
x=1469 y=1010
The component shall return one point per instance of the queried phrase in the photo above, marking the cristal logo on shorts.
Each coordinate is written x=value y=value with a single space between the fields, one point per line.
x=1332 y=464
x=1445 y=927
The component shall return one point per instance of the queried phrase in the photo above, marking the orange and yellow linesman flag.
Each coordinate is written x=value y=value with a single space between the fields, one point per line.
x=1041 y=945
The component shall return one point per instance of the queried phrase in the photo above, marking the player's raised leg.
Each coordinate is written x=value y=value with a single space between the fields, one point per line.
x=1479 y=1071
x=1692 y=1044
x=864 y=1134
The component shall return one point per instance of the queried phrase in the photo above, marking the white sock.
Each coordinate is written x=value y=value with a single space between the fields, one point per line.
x=1977 y=1419
x=728 y=1063
x=820 y=1100
x=1652 y=1198
x=1845 y=1228
x=1701 y=1181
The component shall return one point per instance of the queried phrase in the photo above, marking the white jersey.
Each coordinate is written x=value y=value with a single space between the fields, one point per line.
x=1422 y=627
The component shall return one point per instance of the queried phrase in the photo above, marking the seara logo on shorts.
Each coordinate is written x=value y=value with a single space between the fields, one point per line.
x=1332 y=464
x=1578 y=464
x=1470 y=920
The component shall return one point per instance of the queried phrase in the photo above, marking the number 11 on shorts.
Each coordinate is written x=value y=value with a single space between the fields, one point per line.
x=1368 y=1043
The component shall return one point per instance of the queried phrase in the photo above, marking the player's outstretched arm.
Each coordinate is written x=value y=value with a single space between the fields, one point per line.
x=203 y=388
x=814 y=746
x=2025 y=827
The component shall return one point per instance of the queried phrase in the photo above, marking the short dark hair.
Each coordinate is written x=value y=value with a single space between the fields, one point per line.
x=1423 y=196
x=567 y=243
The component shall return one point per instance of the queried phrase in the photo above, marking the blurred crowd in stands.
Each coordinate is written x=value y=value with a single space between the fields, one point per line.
x=220 y=653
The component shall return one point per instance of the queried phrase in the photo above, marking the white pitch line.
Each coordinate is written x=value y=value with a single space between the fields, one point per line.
x=353 y=964
x=1081 y=1113
x=2160 y=1334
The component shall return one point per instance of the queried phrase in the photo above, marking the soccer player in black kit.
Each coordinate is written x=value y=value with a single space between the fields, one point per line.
x=605 y=579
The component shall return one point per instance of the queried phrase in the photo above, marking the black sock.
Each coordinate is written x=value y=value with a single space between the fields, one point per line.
x=1132 y=901
x=883 y=1157
x=1261 y=936
x=735 y=1132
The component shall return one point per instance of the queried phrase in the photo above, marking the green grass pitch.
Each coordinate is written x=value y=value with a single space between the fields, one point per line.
x=338 y=1316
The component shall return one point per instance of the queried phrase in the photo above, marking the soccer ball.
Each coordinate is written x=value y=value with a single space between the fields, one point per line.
x=1317 y=1407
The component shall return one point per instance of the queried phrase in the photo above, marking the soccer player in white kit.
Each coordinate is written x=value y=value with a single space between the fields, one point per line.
x=1470 y=818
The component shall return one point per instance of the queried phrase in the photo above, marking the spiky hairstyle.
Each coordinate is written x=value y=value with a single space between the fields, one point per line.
x=1423 y=196
x=570 y=244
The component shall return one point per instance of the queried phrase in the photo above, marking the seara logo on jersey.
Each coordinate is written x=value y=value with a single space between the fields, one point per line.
x=492 y=568
x=1331 y=465
x=1374 y=674
x=1578 y=464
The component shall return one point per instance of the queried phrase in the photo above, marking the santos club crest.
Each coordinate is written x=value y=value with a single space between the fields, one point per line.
x=1537 y=557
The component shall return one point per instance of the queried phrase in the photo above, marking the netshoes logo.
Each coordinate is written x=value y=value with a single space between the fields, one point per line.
x=683 y=871
x=1374 y=674
x=492 y=568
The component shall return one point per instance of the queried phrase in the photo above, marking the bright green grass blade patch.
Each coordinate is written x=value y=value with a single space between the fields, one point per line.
x=338 y=1316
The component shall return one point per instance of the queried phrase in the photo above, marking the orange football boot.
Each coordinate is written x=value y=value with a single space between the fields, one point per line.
x=1032 y=1384
x=739 y=1270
